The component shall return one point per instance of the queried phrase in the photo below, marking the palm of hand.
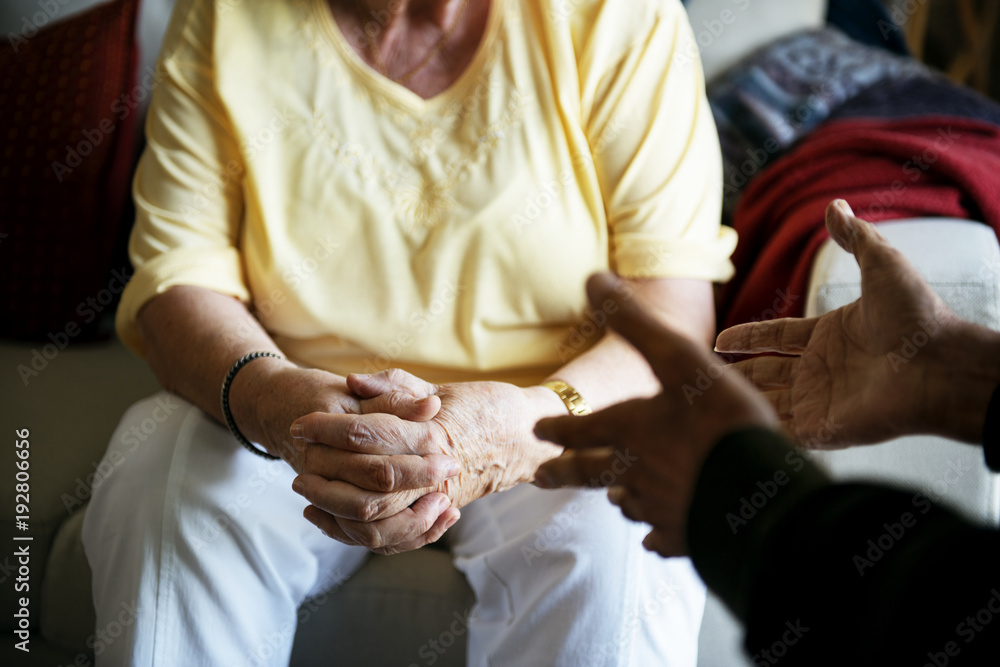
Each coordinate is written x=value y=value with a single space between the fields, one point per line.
x=837 y=377
x=856 y=378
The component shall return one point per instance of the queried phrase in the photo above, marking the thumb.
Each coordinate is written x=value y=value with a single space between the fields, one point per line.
x=393 y=379
x=851 y=233
x=402 y=405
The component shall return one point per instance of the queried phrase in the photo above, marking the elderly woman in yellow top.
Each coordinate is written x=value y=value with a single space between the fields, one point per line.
x=415 y=191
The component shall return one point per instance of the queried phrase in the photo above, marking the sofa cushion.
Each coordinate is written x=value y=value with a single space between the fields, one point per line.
x=729 y=30
x=419 y=595
x=67 y=601
x=67 y=114
x=70 y=405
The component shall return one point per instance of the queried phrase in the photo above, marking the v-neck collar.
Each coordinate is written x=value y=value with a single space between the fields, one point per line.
x=389 y=88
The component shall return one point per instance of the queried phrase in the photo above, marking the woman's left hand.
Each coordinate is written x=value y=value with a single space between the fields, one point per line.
x=486 y=426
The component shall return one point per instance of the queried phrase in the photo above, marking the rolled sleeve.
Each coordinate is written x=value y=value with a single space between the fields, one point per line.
x=187 y=189
x=658 y=160
x=649 y=256
x=217 y=269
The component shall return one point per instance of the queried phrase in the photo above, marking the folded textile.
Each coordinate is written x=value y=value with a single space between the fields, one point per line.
x=786 y=90
x=886 y=169
x=923 y=96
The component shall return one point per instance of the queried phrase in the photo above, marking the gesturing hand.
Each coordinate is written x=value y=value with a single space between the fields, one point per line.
x=484 y=426
x=851 y=377
x=651 y=450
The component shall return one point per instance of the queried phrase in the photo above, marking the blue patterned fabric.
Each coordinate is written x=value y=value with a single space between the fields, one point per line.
x=783 y=92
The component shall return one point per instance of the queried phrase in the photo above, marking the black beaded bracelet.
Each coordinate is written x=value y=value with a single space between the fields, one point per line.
x=227 y=413
x=991 y=433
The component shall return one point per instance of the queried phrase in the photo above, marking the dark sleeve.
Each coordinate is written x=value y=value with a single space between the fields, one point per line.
x=991 y=432
x=840 y=574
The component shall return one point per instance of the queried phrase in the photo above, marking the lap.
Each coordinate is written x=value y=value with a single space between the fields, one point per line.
x=565 y=560
x=168 y=454
x=569 y=560
x=192 y=485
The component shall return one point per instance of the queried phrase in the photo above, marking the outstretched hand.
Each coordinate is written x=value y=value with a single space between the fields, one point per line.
x=650 y=451
x=858 y=374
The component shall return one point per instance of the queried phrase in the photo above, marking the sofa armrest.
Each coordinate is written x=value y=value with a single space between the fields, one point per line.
x=959 y=258
x=961 y=261
x=70 y=400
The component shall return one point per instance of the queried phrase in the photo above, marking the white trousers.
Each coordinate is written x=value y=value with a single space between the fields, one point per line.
x=205 y=544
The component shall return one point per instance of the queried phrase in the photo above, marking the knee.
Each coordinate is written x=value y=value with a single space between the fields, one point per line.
x=585 y=529
x=149 y=422
x=140 y=451
x=150 y=426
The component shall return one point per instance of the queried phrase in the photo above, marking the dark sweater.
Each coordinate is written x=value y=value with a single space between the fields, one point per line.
x=840 y=574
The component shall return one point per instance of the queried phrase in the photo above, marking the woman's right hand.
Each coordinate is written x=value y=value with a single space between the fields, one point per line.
x=269 y=394
x=191 y=337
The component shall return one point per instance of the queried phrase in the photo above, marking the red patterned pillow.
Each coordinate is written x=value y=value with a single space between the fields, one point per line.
x=67 y=118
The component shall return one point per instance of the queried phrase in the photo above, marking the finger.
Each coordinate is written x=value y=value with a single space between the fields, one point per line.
x=447 y=519
x=600 y=429
x=327 y=524
x=393 y=379
x=350 y=502
x=786 y=336
x=407 y=525
x=862 y=239
x=667 y=545
x=781 y=401
x=584 y=468
x=403 y=405
x=768 y=372
x=377 y=433
x=667 y=351
x=385 y=474
x=627 y=502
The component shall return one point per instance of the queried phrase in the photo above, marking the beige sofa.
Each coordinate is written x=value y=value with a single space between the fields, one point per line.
x=408 y=609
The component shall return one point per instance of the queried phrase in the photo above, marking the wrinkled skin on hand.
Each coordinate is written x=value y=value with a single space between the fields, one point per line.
x=481 y=425
x=478 y=424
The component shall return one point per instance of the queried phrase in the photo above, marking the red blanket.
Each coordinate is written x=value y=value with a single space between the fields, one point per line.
x=930 y=166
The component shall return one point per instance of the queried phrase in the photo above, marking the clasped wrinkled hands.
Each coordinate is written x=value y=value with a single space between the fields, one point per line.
x=394 y=477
